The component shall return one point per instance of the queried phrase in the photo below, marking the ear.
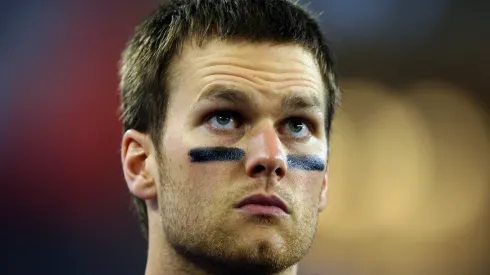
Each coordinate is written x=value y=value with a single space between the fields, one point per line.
x=323 y=193
x=135 y=156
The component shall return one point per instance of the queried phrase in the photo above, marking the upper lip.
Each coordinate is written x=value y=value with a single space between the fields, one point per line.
x=265 y=200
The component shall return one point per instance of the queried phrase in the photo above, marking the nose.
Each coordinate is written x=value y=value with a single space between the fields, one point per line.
x=265 y=156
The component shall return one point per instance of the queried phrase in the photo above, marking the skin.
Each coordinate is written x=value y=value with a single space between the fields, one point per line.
x=194 y=227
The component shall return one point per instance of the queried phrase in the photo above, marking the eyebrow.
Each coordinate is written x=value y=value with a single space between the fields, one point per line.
x=226 y=94
x=292 y=102
x=301 y=101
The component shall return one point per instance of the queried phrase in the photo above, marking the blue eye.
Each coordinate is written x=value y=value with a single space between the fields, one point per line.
x=224 y=120
x=297 y=128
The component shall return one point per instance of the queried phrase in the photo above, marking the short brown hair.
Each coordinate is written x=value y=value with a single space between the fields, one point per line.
x=145 y=62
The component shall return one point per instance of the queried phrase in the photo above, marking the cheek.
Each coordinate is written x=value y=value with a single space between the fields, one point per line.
x=210 y=180
x=196 y=182
x=199 y=183
x=307 y=188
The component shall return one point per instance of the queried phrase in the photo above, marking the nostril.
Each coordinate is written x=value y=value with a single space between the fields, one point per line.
x=279 y=171
x=258 y=169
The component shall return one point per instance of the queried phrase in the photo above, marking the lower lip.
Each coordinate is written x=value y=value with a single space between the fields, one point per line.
x=263 y=210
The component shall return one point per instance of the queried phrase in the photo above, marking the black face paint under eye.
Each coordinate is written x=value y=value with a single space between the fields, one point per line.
x=206 y=154
x=308 y=162
x=209 y=154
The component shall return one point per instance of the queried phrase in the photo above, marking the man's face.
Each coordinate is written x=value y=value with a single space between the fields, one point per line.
x=267 y=100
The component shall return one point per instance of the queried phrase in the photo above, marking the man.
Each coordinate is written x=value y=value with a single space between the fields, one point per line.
x=227 y=107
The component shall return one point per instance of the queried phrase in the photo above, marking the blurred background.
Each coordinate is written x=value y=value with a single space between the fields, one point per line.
x=410 y=168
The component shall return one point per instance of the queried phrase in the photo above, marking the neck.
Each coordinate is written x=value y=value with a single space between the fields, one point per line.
x=165 y=259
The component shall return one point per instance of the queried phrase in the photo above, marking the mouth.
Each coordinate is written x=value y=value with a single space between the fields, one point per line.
x=263 y=205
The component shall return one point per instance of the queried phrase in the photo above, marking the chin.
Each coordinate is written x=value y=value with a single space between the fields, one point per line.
x=266 y=257
x=264 y=252
x=249 y=256
x=251 y=250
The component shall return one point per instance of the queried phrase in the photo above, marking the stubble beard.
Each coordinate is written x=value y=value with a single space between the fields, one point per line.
x=199 y=238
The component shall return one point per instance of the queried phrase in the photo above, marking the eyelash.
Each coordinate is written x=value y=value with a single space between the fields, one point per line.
x=238 y=118
x=235 y=115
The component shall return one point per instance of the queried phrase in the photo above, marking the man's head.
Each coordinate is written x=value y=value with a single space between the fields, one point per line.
x=222 y=100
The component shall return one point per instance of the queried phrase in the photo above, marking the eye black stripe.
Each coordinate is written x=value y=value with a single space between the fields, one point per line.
x=308 y=162
x=206 y=154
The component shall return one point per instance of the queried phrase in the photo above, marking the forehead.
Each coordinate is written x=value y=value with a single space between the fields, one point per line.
x=270 y=69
